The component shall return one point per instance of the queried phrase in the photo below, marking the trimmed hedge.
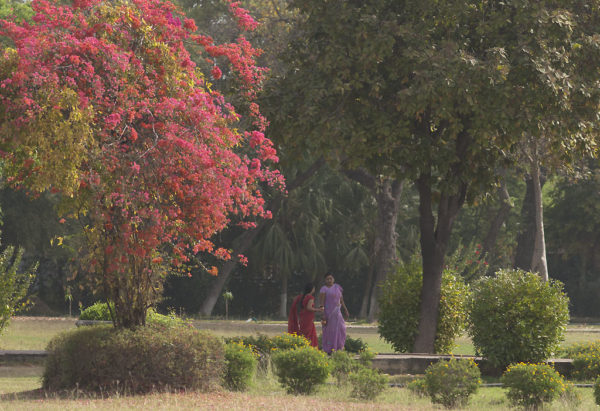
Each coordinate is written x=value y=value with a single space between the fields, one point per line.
x=102 y=358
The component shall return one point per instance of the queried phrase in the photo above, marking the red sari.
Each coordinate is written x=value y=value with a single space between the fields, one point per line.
x=303 y=324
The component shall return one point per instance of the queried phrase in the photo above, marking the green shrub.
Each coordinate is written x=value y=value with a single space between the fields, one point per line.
x=366 y=356
x=531 y=385
x=240 y=366
x=517 y=317
x=262 y=345
x=570 y=397
x=367 y=383
x=586 y=360
x=399 y=308
x=342 y=364
x=97 y=312
x=103 y=358
x=418 y=387
x=355 y=345
x=451 y=382
x=301 y=369
x=14 y=284
x=289 y=342
x=597 y=391
x=170 y=320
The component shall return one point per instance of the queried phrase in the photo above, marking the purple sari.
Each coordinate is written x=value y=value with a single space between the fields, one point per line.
x=334 y=332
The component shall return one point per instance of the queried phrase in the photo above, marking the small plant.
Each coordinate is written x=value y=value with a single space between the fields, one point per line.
x=531 y=385
x=366 y=356
x=14 y=284
x=452 y=382
x=227 y=296
x=240 y=366
x=586 y=360
x=597 y=391
x=367 y=383
x=418 y=387
x=571 y=397
x=288 y=342
x=300 y=370
x=262 y=345
x=97 y=312
x=355 y=345
x=342 y=365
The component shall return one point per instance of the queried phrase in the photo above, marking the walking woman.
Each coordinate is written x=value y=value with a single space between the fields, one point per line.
x=334 y=327
x=301 y=320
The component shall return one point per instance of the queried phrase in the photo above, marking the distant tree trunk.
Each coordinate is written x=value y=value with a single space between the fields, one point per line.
x=538 y=260
x=501 y=215
x=388 y=203
x=283 y=297
x=246 y=239
x=434 y=243
x=526 y=237
x=364 y=306
x=387 y=193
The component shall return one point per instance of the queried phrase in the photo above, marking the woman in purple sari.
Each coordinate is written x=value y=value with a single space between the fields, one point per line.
x=334 y=327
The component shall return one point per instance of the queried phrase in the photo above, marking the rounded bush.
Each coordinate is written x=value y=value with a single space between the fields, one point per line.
x=399 y=308
x=531 y=385
x=452 y=382
x=96 y=312
x=240 y=366
x=367 y=383
x=517 y=317
x=300 y=370
x=342 y=364
x=103 y=358
x=418 y=387
x=287 y=341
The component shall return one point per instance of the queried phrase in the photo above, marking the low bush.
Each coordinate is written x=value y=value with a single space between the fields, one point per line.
x=418 y=387
x=103 y=359
x=262 y=345
x=452 y=382
x=366 y=356
x=570 y=397
x=355 y=345
x=342 y=364
x=300 y=370
x=367 y=383
x=97 y=312
x=586 y=360
x=531 y=385
x=288 y=342
x=517 y=317
x=597 y=391
x=399 y=308
x=240 y=366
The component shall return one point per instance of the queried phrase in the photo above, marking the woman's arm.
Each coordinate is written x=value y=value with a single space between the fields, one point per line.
x=344 y=306
x=310 y=306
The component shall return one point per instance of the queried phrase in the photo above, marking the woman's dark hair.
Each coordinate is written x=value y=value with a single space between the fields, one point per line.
x=307 y=289
x=327 y=275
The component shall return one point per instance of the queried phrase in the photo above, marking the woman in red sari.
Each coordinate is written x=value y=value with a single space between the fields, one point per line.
x=302 y=315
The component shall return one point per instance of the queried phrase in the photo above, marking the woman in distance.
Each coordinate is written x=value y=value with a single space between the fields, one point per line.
x=334 y=326
x=302 y=315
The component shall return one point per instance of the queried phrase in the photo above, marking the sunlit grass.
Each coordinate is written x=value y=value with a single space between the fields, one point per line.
x=33 y=333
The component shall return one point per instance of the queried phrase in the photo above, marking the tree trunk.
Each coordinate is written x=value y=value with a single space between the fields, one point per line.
x=246 y=239
x=283 y=297
x=388 y=202
x=364 y=306
x=526 y=236
x=538 y=260
x=492 y=235
x=434 y=242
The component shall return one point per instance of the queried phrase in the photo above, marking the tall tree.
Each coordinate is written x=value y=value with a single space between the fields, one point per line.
x=101 y=102
x=441 y=93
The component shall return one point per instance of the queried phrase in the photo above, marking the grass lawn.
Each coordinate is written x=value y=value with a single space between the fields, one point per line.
x=17 y=385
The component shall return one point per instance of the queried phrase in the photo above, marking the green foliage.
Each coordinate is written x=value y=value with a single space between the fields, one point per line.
x=103 y=358
x=14 y=284
x=366 y=356
x=418 y=387
x=468 y=262
x=342 y=364
x=240 y=366
x=300 y=370
x=452 y=382
x=516 y=317
x=289 y=341
x=97 y=312
x=531 y=385
x=367 y=383
x=399 y=307
x=586 y=360
x=570 y=396
x=354 y=345
x=597 y=391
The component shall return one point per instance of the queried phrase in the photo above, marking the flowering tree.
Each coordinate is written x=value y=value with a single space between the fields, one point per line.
x=99 y=100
